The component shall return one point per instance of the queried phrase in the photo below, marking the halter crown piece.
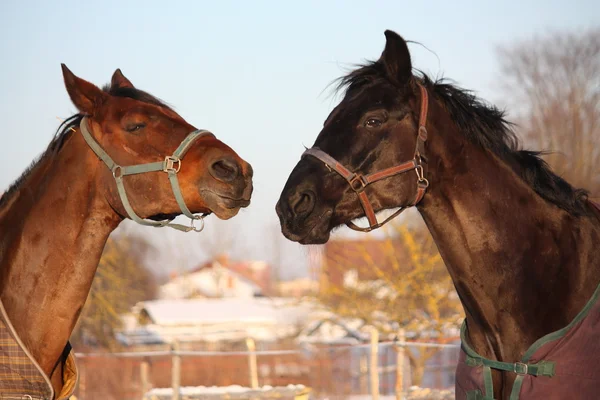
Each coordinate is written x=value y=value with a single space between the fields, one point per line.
x=359 y=182
x=171 y=165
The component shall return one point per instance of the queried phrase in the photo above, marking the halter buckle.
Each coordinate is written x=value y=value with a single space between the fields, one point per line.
x=520 y=368
x=361 y=183
x=172 y=164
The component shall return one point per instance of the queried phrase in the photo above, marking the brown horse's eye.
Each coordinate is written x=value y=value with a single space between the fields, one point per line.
x=373 y=123
x=134 y=127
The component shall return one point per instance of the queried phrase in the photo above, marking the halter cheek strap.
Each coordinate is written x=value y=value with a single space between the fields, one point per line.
x=171 y=165
x=359 y=182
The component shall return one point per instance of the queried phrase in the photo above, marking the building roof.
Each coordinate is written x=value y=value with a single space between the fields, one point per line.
x=200 y=281
x=215 y=320
x=256 y=272
x=221 y=310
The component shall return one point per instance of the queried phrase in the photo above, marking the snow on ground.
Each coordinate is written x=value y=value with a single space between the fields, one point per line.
x=232 y=392
x=417 y=393
x=240 y=392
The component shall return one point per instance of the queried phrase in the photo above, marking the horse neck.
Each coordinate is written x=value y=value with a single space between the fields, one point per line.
x=54 y=228
x=522 y=267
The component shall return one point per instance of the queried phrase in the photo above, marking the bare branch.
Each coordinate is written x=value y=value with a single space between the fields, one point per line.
x=553 y=82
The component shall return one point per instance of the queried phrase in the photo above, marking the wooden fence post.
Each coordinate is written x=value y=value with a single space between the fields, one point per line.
x=252 y=364
x=82 y=378
x=144 y=381
x=364 y=373
x=374 y=364
x=175 y=370
x=400 y=356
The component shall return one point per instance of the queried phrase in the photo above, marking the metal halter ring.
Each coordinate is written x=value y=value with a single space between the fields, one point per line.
x=361 y=183
x=198 y=218
x=117 y=171
x=172 y=164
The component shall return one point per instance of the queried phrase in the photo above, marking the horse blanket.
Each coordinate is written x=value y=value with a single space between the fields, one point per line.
x=560 y=365
x=20 y=375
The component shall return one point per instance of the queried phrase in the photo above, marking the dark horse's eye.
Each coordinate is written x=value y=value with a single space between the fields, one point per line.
x=373 y=123
x=134 y=127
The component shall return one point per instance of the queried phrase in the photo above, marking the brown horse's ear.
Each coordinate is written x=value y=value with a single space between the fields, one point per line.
x=396 y=58
x=119 y=81
x=85 y=95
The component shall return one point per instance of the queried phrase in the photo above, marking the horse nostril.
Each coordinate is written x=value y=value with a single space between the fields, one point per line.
x=302 y=203
x=225 y=169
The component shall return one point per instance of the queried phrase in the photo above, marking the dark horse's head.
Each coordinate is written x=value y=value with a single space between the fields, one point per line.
x=378 y=112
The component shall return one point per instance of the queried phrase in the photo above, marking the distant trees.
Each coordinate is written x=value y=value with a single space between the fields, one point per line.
x=554 y=82
x=397 y=282
x=120 y=282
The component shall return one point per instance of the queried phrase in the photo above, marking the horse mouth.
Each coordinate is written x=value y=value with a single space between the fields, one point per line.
x=317 y=233
x=230 y=202
x=223 y=205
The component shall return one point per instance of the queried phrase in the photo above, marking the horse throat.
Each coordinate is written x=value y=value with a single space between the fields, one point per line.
x=54 y=228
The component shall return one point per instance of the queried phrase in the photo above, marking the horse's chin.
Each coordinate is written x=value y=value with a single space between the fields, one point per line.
x=315 y=239
x=320 y=232
x=317 y=231
x=310 y=238
x=226 y=213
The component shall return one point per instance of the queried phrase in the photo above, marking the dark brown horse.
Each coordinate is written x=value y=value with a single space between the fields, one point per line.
x=520 y=243
x=57 y=217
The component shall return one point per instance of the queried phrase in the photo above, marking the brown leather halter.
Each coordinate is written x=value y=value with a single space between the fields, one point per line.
x=359 y=182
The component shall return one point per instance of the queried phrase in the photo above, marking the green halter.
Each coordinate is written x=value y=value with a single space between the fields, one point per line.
x=170 y=165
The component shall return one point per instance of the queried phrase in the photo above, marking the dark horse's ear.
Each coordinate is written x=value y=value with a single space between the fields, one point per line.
x=119 y=81
x=85 y=95
x=396 y=58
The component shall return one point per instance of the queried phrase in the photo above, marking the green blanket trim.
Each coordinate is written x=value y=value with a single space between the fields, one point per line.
x=522 y=368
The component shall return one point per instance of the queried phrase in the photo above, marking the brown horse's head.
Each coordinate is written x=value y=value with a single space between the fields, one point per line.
x=372 y=129
x=134 y=128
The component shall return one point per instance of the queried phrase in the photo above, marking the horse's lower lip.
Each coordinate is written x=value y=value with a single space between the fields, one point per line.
x=228 y=202
x=232 y=202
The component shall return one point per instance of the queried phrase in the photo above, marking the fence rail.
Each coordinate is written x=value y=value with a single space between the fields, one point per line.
x=347 y=369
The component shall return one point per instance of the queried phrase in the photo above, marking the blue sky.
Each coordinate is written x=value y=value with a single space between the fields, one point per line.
x=255 y=73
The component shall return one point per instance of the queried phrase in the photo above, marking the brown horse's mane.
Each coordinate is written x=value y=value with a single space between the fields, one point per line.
x=485 y=125
x=65 y=130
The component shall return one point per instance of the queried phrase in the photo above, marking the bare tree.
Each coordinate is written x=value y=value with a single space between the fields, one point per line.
x=221 y=238
x=554 y=83
x=121 y=281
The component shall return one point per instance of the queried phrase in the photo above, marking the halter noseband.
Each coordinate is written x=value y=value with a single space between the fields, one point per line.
x=170 y=165
x=359 y=182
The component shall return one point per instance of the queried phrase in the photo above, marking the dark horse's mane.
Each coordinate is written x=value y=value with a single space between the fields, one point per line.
x=486 y=126
x=65 y=130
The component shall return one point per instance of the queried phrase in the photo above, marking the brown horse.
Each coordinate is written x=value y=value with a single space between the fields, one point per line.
x=520 y=243
x=57 y=217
